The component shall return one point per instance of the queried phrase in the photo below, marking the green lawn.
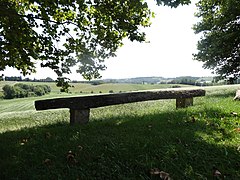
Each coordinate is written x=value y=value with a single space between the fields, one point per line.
x=123 y=141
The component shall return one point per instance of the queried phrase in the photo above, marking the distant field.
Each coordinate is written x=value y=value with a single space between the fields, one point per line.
x=23 y=104
x=27 y=104
x=87 y=88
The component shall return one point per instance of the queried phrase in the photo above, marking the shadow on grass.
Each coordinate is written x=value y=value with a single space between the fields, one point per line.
x=123 y=147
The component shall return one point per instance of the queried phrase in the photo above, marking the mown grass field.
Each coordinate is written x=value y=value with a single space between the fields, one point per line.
x=123 y=141
x=87 y=88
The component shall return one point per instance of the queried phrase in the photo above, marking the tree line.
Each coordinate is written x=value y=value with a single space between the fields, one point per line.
x=19 y=78
x=21 y=90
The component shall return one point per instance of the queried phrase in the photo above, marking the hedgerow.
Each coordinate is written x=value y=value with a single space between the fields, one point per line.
x=21 y=90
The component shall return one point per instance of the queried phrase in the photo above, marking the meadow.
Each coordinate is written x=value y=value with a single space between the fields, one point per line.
x=87 y=88
x=131 y=141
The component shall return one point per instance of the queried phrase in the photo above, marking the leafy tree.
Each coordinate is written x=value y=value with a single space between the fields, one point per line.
x=9 y=92
x=23 y=86
x=219 y=46
x=21 y=90
x=64 y=33
x=39 y=91
x=46 y=88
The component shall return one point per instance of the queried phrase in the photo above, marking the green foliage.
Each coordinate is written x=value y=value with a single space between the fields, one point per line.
x=63 y=34
x=21 y=90
x=47 y=89
x=88 y=33
x=219 y=45
x=9 y=92
x=97 y=83
x=172 y=3
x=184 y=80
x=39 y=91
x=63 y=83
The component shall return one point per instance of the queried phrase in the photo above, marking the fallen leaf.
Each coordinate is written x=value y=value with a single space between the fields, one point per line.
x=164 y=175
x=80 y=147
x=48 y=135
x=237 y=130
x=23 y=141
x=71 y=158
x=217 y=174
x=47 y=162
x=154 y=171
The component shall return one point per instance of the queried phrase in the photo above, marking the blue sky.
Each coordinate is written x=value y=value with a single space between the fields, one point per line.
x=168 y=53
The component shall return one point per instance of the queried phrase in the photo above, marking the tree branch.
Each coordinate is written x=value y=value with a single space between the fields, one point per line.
x=6 y=12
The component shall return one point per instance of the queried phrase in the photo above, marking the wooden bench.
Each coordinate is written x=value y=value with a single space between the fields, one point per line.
x=80 y=106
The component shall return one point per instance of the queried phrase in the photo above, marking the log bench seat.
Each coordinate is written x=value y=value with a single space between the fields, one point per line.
x=80 y=105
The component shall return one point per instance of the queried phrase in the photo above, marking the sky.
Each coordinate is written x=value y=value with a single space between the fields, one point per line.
x=168 y=53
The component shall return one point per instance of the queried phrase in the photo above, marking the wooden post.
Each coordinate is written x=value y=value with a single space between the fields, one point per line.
x=79 y=116
x=184 y=102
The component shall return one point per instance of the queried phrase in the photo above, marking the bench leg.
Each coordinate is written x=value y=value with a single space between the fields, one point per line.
x=184 y=102
x=79 y=116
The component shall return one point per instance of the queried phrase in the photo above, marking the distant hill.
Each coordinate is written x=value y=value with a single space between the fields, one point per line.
x=161 y=80
x=137 y=80
x=188 y=80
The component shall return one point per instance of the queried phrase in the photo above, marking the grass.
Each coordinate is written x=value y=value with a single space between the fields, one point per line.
x=123 y=141
x=87 y=88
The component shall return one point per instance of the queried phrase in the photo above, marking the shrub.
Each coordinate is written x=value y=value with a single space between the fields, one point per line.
x=95 y=83
x=39 y=91
x=20 y=93
x=21 y=90
x=111 y=91
x=24 y=86
x=31 y=94
x=9 y=92
x=46 y=88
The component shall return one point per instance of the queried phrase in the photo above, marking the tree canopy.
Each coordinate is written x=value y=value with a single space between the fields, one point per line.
x=219 y=46
x=64 y=33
